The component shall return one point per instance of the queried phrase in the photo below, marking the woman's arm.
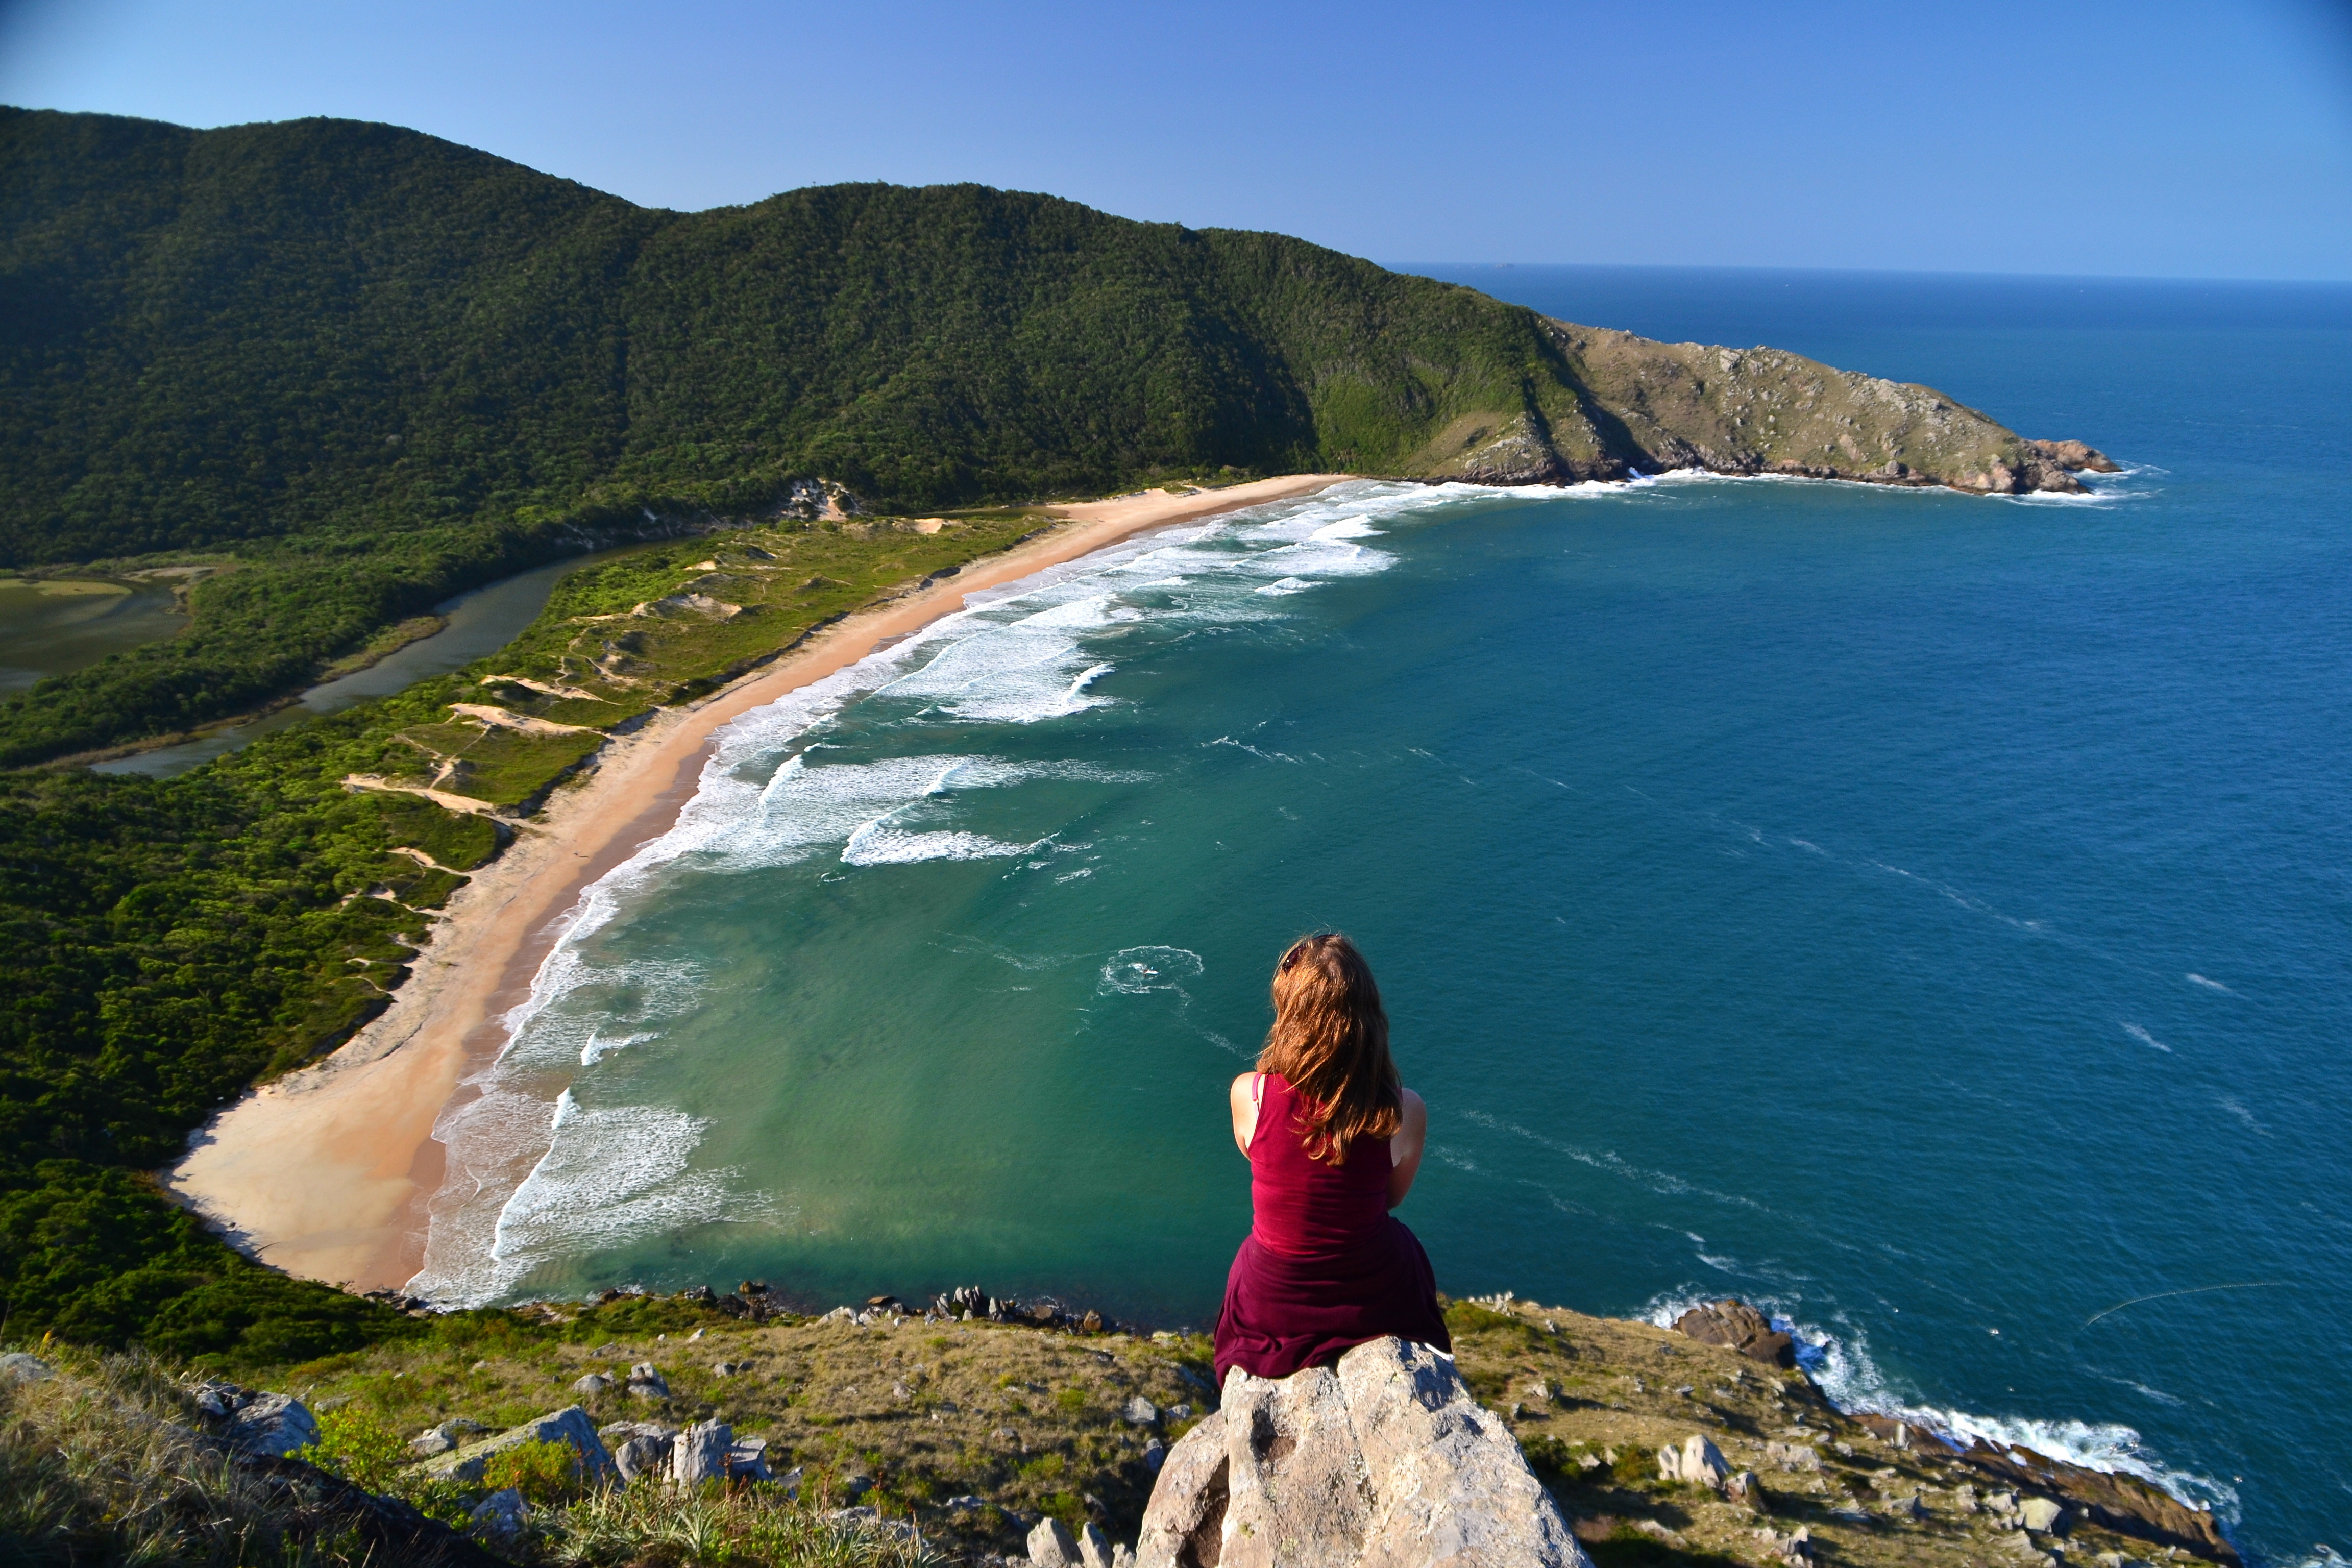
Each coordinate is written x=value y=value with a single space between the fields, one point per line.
x=1244 y=1108
x=1404 y=1149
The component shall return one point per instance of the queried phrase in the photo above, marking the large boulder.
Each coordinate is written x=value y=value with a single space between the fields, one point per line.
x=570 y=1425
x=1382 y=1462
x=1740 y=1326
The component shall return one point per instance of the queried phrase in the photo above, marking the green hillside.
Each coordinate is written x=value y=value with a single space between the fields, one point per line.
x=374 y=367
x=367 y=368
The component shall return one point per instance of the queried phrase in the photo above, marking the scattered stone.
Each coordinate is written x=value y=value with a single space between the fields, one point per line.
x=594 y=1383
x=1094 y=1548
x=602 y=1351
x=789 y=1481
x=965 y=1504
x=17 y=1366
x=2042 y=1515
x=1796 y=1548
x=647 y=1381
x=1178 y=1413
x=1907 y=1506
x=1006 y=1435
x=1793 y=1455
x=275 y=1423
x=856 y=1486
x=1050 y=1546
x=1744 y=1488
x=1695 y=1460
x=901 y=1393
x=1384 y=1458
x=501 y=1518
x=1140 y=1412
x=1155 y=1454
x=1735 y=1324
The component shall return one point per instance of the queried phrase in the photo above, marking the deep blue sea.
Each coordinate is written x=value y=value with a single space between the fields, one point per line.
x=1930 y=916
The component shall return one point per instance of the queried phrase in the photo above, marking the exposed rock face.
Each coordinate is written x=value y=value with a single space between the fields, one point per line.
x=2076 y=457
x=1695 y=1459
x=1385 y=1460
x=570 y=1425
x=1734 y=1323
x=1623 y=403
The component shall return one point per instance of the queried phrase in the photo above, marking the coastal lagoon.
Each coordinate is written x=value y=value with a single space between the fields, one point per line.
x=1923 y=914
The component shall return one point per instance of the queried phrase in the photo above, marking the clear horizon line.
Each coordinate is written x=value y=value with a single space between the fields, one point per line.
x=1418 y=269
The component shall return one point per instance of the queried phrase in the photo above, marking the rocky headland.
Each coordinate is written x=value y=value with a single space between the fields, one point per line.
x=1645 y=406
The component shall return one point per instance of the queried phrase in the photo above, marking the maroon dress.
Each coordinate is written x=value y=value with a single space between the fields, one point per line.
x=1324 y=1267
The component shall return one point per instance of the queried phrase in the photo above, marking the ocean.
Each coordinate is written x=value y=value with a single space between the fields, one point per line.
x=1927 y=916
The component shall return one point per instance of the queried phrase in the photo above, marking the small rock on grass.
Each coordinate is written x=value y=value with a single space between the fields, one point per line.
x=17 y=1366
x=500 y=1517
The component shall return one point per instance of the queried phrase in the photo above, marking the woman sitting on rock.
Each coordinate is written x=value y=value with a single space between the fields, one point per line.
x=1333 y=1142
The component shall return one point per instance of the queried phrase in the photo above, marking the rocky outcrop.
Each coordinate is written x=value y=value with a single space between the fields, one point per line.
x=1384 y=1459
x=1641 y=405
x=2068 y=1494
x=1735 y=1325
x=568 y=1426
x=274 y=1423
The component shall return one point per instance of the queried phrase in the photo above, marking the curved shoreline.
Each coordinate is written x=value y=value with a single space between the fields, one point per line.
x=327 y=1172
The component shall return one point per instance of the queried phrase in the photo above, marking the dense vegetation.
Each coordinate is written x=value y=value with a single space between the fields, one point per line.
x=163 y=944
x=374 y=367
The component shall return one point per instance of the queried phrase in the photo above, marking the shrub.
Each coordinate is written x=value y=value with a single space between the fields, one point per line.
x=355 y=1444
x=547 y=1474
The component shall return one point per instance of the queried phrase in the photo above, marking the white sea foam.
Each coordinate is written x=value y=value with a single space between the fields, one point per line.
x=2144 y=1038
x=2209 y=984
x=597 y=1047
x=1135 y=970
x=1285 y=587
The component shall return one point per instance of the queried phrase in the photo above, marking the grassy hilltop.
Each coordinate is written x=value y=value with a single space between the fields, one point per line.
x=973 y=1431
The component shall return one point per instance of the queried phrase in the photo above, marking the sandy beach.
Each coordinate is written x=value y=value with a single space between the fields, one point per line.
x=327 y=1172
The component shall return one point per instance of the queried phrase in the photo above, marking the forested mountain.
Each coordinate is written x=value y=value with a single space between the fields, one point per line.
x=330 y=327
x=369 y=367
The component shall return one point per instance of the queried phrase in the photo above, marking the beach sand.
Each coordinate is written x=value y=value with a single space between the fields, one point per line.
x=327 y=1172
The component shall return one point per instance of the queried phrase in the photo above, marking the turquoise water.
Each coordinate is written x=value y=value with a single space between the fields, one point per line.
x=1924 y=914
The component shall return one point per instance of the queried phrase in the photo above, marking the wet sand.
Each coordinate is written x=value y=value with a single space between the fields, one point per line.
x=327 y=1172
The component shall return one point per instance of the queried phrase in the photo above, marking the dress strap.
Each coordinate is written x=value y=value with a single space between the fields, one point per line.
x=1257 y=1082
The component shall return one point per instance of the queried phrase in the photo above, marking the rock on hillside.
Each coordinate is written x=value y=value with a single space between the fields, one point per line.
x=1385 y=1459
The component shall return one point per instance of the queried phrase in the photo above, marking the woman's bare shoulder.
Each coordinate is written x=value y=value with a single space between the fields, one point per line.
x=1241 y=1087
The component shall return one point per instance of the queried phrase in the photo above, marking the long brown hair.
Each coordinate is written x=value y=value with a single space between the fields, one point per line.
x=1330 y=1043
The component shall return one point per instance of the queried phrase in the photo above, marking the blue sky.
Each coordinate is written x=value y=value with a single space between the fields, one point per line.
x=2152 y=139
